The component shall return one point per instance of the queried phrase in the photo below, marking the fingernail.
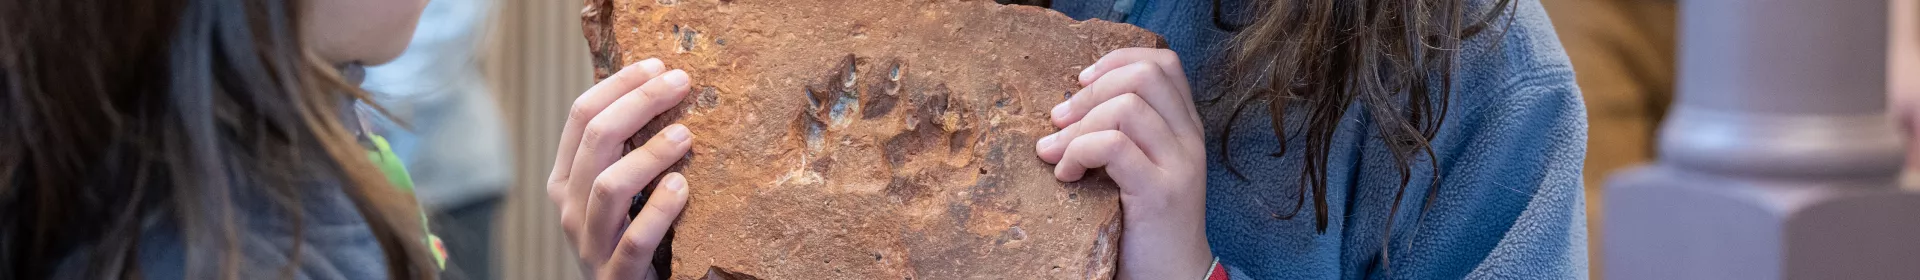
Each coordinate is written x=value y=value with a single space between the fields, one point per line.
x=677 y=133
x=675 y=183
x=676 y=78
x=1086 y=72
x=652 y=65
x=1046 y=141
x=1061 y=111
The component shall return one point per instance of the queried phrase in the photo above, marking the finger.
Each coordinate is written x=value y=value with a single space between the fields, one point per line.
x=590 y=103
x=613 y=189
x=585 y=107
x=1168 y=61
x=634 y=254
x=1127 y=113
x=604 y=138
x=1110 y=149
x=1143 y=79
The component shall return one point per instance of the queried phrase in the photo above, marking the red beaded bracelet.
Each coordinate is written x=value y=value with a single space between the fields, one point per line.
x=1218 y=272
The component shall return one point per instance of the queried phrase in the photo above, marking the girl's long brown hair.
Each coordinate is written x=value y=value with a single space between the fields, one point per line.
x=1394 y=59
x=117 y=113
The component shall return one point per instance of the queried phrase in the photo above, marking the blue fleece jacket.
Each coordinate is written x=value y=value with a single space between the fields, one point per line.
x=1509 y=203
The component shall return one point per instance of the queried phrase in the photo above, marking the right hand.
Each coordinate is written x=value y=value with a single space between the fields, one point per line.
x=594 y=184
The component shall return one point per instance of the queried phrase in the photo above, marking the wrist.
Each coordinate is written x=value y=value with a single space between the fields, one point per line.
x=1165 y=249
x=1205 y=267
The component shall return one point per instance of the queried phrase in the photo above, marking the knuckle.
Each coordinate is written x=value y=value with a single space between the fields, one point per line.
x=630 y=73
x=1119 y=107
x=570 y=223
x=1096 y=149
x=559 y=178
x=1166 y=54
x=1115 y=145
x=1118 y=145
x=607 y=186
x=1153 y=64
x=1115 y=54
x=668 y=208
x=1083 y=144
x=664 y=153
x=663 y=99
x=621 y=75
x=582 y=109
x=1108 y=142
x=654 y=208
x=1149 y=72
x=554 y=192
x=647 y=93
x=1131 y=103
x=596 y=133
x=1136 y=71
x=1104 y=136
x=1137 y=75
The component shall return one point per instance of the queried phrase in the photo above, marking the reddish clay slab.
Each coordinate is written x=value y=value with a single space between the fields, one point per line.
x=873 y=139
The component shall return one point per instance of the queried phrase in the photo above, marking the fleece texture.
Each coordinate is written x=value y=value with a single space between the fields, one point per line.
x=1508 y=202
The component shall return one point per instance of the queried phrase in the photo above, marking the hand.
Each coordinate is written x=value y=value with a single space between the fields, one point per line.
x=1135 y=117
x=594 y=184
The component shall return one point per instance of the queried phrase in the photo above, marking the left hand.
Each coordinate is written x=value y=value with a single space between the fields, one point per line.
x=1136 y=118
x=594 y=180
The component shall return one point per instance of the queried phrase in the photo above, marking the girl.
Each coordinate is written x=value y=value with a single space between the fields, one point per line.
x=208 y=139
x=199 y=139
x=1277 y=139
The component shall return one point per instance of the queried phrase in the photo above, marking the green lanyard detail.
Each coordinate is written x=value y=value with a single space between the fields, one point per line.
x=396 y=172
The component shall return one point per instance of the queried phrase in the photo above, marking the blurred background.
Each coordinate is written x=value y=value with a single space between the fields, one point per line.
x=486 y=85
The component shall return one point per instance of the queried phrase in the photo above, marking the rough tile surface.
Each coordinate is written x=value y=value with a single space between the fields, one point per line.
x=872 y=139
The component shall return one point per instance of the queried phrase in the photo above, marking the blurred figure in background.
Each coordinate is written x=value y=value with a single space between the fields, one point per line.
x=449 y=131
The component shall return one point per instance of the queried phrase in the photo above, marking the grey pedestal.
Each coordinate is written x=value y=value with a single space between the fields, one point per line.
x=1779 y=160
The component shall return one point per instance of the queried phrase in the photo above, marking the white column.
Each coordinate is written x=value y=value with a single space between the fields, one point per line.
x=538 y=63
